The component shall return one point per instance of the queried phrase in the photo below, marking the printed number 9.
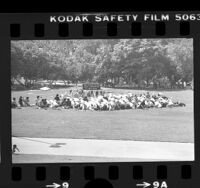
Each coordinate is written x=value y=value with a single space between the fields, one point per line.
x=156 y=184
x=65 y=185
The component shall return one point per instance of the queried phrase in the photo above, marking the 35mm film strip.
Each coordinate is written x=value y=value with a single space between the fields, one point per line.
x=100 y=100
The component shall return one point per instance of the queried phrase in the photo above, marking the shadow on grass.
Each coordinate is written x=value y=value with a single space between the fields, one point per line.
x=54 y=145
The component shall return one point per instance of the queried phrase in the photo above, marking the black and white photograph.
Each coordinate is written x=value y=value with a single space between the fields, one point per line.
x=102 y=100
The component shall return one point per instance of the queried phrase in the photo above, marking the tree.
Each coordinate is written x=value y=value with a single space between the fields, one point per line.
x=130 y=60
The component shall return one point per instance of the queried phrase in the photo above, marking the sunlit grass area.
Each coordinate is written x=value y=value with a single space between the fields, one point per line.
x=167 y=124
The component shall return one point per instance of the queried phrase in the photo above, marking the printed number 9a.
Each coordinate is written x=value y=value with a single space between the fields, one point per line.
x=156 y=184
x=65 y=185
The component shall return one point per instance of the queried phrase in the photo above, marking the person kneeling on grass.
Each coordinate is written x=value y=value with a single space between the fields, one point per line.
x=57 y=98
x=66 y=103
x=37 y=101
x=14 y=103
x=63 y=103
x=27 y=101
x=21 y=101
x=44 y=104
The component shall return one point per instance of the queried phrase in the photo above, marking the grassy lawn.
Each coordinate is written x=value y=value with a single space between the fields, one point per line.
x=169 y=124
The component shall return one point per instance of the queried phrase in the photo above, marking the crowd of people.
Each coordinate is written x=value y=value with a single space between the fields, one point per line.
x=99 y=101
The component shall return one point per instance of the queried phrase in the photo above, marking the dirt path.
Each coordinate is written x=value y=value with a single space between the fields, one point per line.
x=160 y=151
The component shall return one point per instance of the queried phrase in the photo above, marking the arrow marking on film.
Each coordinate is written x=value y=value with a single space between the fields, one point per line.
x=144 y=184
x=55 y=185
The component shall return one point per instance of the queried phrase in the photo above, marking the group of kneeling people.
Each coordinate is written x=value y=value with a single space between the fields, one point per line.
x=106 y=101
x=22 y=102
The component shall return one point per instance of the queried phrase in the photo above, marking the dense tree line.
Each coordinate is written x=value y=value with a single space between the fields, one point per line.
x=127 y=61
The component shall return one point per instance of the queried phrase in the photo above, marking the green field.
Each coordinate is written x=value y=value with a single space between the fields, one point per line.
x=167 y=124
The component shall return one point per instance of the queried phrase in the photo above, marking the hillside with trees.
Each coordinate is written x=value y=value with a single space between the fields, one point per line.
x=157 y=63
